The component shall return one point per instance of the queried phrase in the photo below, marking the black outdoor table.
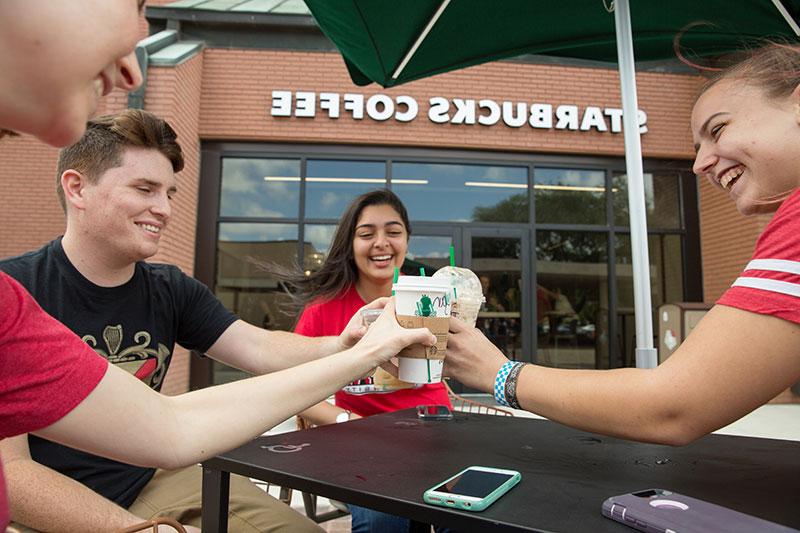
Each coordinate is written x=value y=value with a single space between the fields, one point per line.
x=387 y=461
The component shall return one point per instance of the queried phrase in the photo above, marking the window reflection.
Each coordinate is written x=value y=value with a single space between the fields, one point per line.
x=662 y=200
x=666 y=286
x=260 y=187
x=462 y=193
x=243 y=286
x=498 y=264
x=332 y=185
x=570 y=196
x=572 y=290
x=317 y=239
x=428 y=252
x=572 y=299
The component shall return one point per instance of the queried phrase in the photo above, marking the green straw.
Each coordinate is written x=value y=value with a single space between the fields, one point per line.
x=452 y=256
x=394 y=278
x=422 y=271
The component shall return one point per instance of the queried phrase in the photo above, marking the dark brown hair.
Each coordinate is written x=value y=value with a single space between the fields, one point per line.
x=339 y=272
x=774 y=68
x=105 y=140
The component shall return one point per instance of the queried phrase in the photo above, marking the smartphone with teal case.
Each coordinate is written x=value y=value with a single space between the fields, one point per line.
x=473 y=489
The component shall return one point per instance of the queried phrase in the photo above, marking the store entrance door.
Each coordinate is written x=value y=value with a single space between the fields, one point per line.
x=501 y=259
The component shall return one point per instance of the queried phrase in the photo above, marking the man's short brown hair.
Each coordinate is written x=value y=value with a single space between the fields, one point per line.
x=105 y=140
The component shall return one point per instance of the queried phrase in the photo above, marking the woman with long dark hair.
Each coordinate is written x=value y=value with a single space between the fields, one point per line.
x=370 y=242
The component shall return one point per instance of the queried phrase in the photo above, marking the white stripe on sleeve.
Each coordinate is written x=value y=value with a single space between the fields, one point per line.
x=775 y=265
x=772 y=285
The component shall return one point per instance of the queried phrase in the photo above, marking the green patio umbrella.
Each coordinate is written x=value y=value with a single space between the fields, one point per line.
x=394 y=41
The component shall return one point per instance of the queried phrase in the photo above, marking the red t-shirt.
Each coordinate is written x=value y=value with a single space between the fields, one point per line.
x=321 y=319
x=770 y=283
x=45 y=369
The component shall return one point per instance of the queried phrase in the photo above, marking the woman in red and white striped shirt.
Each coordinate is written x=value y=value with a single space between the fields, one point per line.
x=746 y=350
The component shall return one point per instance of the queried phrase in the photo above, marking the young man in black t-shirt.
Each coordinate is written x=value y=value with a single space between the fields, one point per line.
x=116 y=186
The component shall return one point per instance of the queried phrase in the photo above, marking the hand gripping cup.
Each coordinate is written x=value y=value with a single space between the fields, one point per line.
x=467 y=290
x=380 y=380
x=423 y=303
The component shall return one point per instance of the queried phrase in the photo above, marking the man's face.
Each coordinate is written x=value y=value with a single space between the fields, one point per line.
x=125 y=213
x=58 y=58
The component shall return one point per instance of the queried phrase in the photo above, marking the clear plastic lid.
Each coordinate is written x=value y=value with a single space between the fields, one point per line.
x=465 y=281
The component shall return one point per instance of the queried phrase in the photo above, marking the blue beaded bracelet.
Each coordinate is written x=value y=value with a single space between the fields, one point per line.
x=500 y=382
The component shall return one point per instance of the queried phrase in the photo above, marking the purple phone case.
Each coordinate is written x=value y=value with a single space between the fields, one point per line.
x=662 y=511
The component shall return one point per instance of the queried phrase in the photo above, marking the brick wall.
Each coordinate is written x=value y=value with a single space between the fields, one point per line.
x=173 y=93
x=237 y=86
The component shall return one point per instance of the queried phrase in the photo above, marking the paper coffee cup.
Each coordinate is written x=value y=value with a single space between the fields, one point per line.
x=423 y=303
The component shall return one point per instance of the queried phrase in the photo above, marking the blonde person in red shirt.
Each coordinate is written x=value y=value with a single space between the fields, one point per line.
x=371 y=240
x=746 y=350
x=57 y=60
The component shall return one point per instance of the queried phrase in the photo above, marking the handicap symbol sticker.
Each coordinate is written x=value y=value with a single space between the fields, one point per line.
x=285 y=448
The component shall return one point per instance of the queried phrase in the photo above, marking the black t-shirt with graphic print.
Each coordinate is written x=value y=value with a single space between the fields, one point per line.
x=135 y=326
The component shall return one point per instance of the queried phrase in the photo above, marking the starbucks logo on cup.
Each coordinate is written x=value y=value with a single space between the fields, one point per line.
x=425 y=306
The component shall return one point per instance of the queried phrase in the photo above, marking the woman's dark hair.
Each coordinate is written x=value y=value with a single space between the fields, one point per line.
x=339 y=272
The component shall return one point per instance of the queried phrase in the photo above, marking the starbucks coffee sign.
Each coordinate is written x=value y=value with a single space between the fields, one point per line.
x=441 y=110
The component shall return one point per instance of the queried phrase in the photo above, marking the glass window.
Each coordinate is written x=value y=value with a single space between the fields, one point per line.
x=332 y=185
x=569 y=196
x=497 y=261
x=666 y=286
x=428 y=252
x=260 y=188
x=317 y=241
x=572 y=299
x=462 y=193
x=242 y=283
x=661 y=200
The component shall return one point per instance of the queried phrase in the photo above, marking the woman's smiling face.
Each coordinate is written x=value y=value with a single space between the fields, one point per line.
x=380 y=243
x=748 y=144
x=59 y=58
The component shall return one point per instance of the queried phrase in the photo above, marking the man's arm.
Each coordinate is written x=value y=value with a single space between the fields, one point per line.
x=45 y=500
x=123 y=419
x=325 y=413
x=260 y=351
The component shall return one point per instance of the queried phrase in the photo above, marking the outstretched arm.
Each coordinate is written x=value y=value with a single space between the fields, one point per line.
x=125 y=420
x=733 y=362
x=260 y=351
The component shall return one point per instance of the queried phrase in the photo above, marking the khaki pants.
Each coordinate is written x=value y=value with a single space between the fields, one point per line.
x=177 y=494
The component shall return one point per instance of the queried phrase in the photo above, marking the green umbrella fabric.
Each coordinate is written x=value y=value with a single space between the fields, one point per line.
x=375 y=35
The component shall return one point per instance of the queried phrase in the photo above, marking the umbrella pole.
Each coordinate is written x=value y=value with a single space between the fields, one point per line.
x=646 y=356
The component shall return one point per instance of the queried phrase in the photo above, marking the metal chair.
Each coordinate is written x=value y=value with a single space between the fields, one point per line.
x=154 y=523
x=466 y=405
